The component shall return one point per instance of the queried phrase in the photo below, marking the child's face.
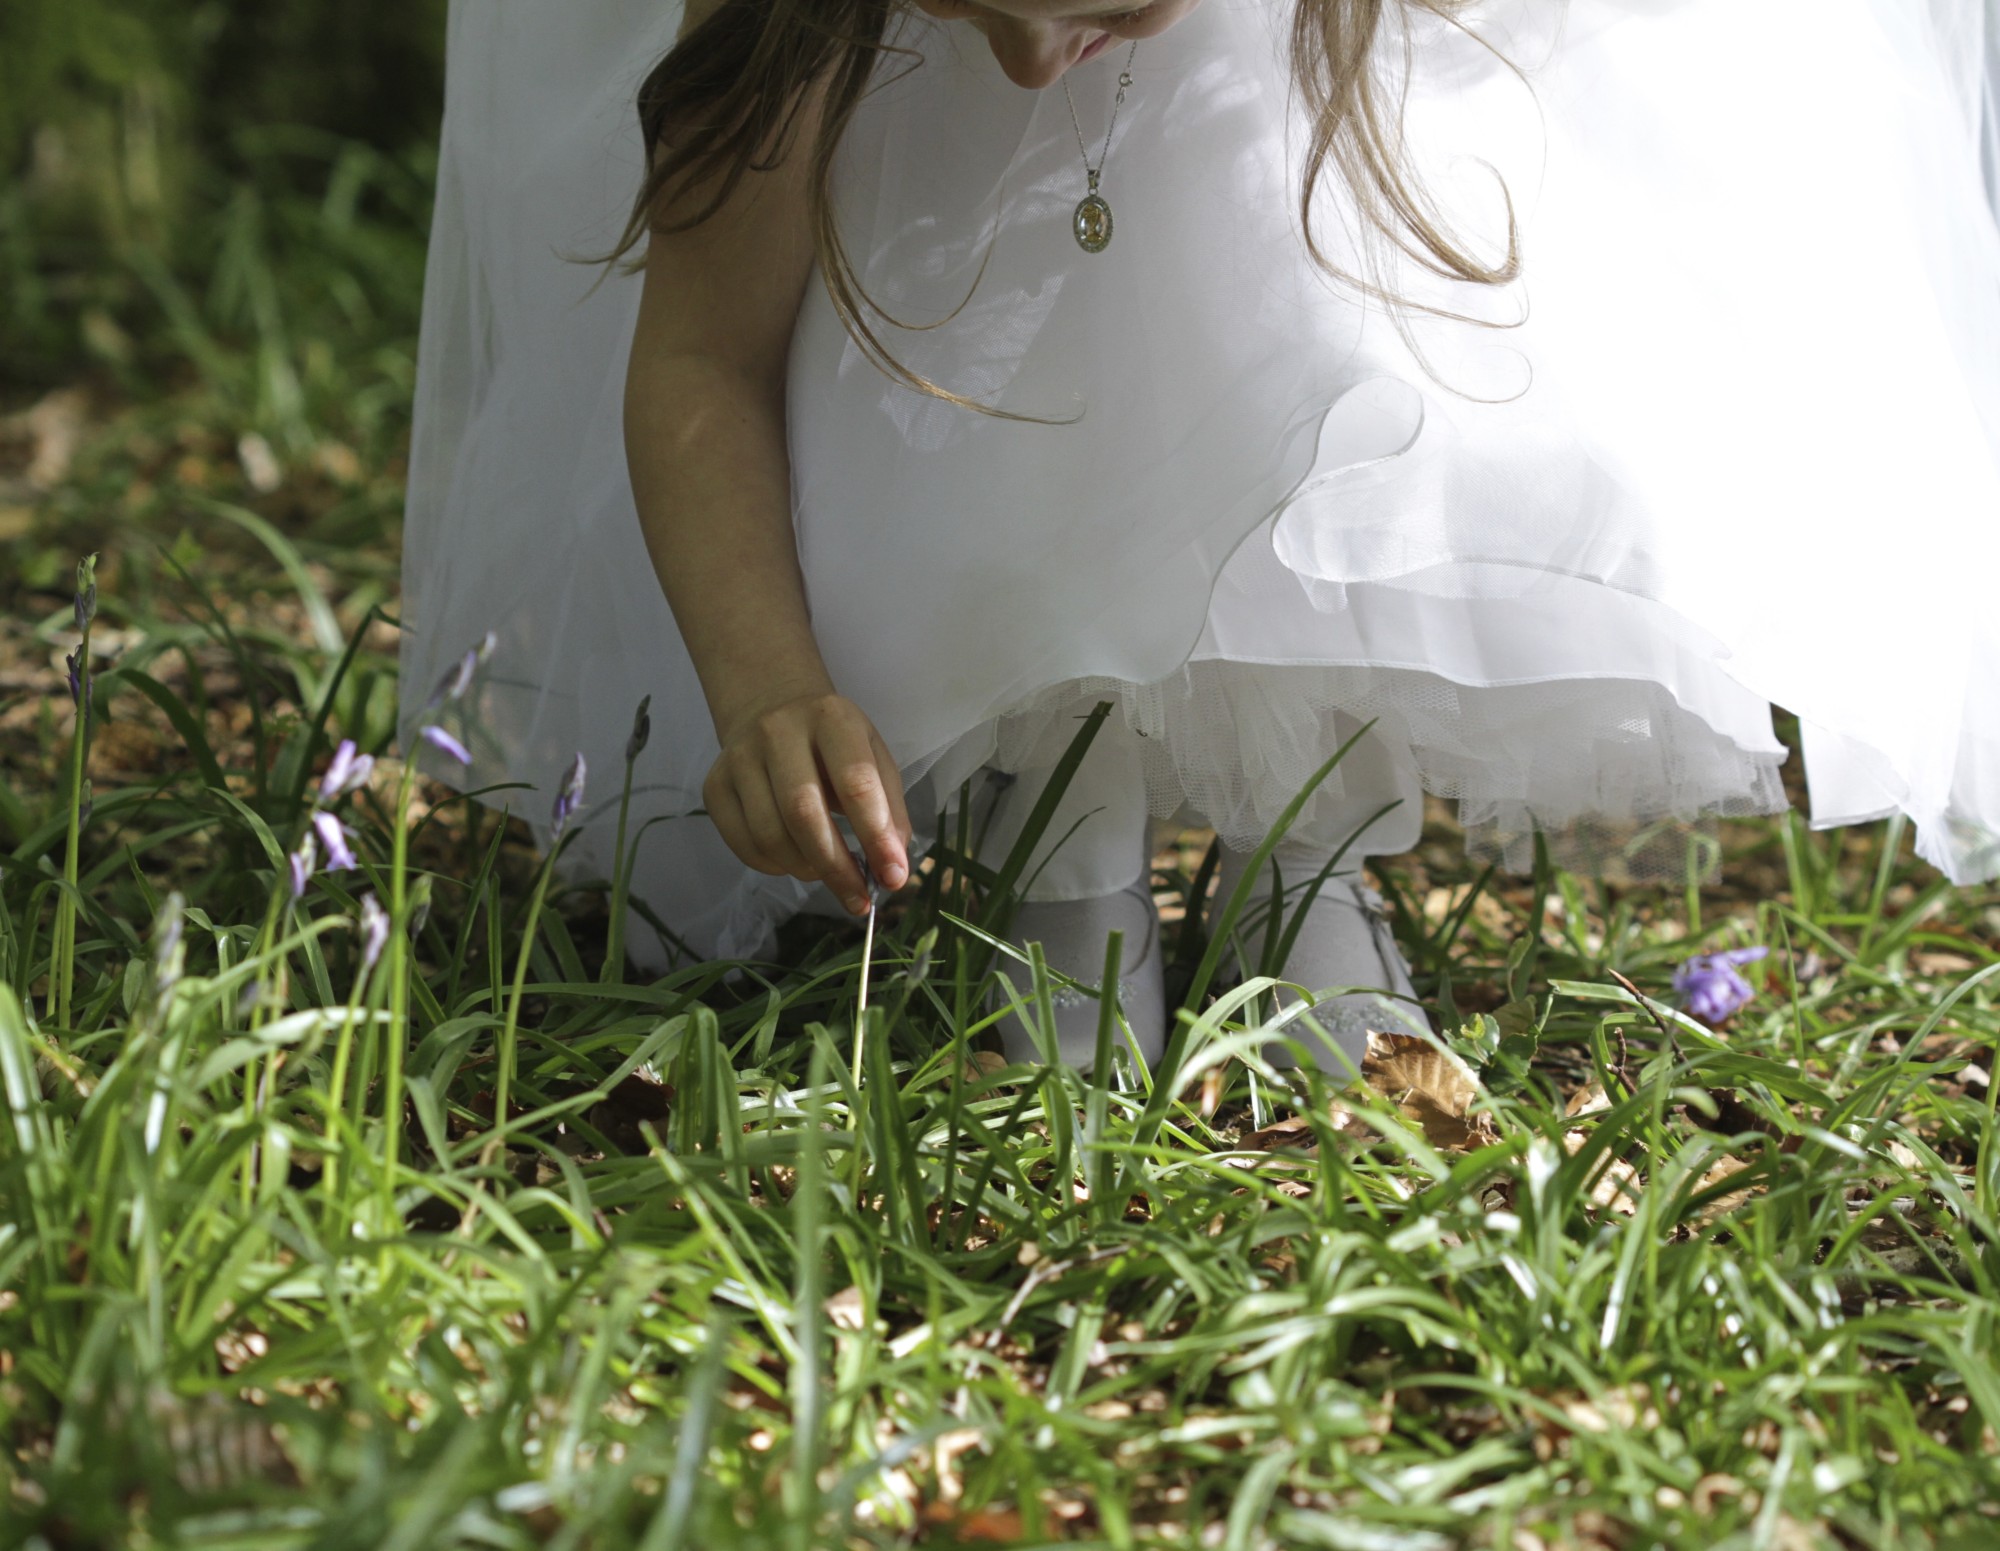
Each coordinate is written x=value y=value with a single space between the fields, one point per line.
x=1035 y=41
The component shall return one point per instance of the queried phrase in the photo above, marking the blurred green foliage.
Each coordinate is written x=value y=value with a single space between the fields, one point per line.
x=172 y=166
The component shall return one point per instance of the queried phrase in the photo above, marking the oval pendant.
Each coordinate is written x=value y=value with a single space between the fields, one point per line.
x=1092 y=224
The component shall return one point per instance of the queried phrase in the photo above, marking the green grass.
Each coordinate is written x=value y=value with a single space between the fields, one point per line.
x=278 y=1268
x=703 y=1287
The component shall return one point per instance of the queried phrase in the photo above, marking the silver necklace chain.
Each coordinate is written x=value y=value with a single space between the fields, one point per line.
x=1124 y=86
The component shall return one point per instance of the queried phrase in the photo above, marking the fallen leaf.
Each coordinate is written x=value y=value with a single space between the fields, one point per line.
x=1731 y=1201
x=1431 y=1087
x=947 y=1449
x=55 y=426
x=259 y=463
x=1292 y=1131
x=991 y=1525
x=844 y=1310
x=1617 y=1188
x=982 y=1064
x=1621 y=1408
x=1712 y=1487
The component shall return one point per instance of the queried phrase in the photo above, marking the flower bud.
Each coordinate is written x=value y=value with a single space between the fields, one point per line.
x=642 y=730
x=568 y=799
x=374 y=930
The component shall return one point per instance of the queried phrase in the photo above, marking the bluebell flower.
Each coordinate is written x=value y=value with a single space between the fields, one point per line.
x=374 y=930
x=456 y=681
x=438 y=738
x=1709 y=987
x=333 y=836
x=458 y=678
x=302 y=863
x=568 y=800
x=347 y=771
x=73 y=664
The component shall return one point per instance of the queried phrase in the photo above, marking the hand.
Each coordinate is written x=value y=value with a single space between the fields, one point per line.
x=785 y=770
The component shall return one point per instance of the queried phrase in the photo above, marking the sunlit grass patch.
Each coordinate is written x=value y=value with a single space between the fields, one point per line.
x=424 y=1225
x=656 y=1265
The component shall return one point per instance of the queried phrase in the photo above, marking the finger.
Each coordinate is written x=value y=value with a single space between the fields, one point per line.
x=725 y=812
x=848 y=751
x=767 y=827
x=802 y=806
x=892 y=778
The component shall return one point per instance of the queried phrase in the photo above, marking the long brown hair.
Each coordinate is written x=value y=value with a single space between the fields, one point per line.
x=727 y=101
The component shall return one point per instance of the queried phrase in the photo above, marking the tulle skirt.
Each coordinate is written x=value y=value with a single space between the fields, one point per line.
x=1732 y=440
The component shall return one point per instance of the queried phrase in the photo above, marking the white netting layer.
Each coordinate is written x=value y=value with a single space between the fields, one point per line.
x=1616 y=773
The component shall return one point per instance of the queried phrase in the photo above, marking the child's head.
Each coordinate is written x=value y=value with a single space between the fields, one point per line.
x=1035 y=41
x=759 y=81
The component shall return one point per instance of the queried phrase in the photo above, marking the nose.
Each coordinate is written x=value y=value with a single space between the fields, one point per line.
x=1036 y=54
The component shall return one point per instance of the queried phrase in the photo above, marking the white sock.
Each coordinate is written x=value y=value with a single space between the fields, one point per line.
x=1344 y=943
x=1073 y=934
x=1098 y=836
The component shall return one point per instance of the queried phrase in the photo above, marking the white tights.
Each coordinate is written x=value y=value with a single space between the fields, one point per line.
x=1091 y=874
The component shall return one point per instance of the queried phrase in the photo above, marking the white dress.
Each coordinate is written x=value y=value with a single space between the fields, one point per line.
x=1740 y=446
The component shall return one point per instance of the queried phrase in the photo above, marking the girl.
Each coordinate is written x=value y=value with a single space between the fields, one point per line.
x=1547 y=386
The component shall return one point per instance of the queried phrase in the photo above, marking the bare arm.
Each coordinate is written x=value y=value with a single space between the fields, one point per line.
x=705 y=440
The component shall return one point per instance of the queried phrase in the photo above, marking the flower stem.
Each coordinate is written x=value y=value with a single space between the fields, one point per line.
x=503 y=1081
x=62 y=948
x=336 y=1095
x=621 y=885
x=397 y=1032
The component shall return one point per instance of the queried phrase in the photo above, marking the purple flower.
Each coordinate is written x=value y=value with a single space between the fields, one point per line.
x=642 y=731
x=458 y=678
x=568 y=800
x=302 y=862
x=73 y=662
x=347 y=771
x=374 y=930
x=333 y=835
x=438 y=738
x=1709 y=987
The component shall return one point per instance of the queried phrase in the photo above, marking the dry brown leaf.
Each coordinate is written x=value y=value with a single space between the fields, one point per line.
x=945 y=1453
x=1715 y=1488
x=1292 y=1131
x=55 y=424
x=1617 y=1187
x=982 y=1064
x=844 y=1309
x=992 y=1525
x=1441 y=903
x=1432 y=1088
x=1622 y=1408
x=1723 y=1205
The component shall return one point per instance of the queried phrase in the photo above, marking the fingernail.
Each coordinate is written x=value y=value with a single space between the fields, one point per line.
x=857 y=905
